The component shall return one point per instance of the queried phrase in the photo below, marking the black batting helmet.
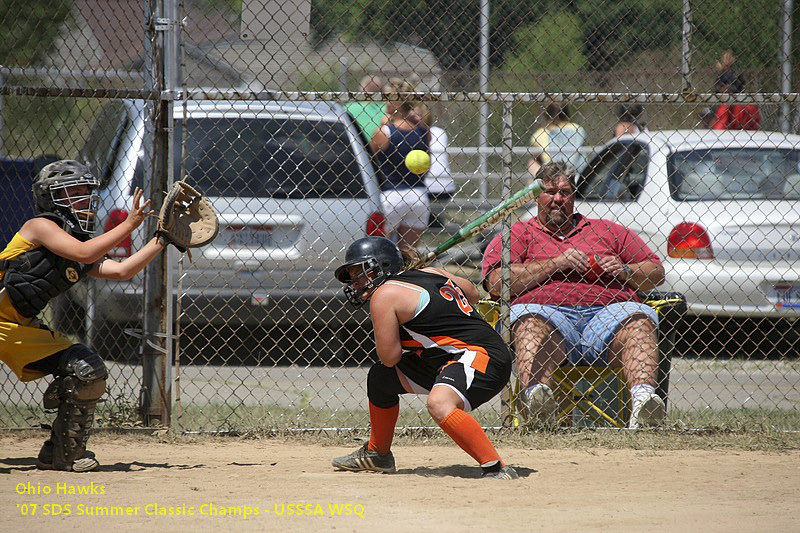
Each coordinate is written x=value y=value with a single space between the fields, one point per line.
x=378 y=257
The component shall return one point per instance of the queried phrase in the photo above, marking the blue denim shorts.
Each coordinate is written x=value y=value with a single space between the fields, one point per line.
x=587 y=330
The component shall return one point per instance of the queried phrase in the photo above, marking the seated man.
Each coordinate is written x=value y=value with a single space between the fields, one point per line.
x=573 y=297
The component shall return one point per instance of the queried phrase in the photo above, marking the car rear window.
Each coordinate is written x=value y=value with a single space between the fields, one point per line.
x=276 y=158
x=735 y=174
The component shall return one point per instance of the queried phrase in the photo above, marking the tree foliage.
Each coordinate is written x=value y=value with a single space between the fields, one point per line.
x=540 y=49
x=751 y=29
x=598 y=34
x=449 y=28
x=29 y=29
x=616 y=31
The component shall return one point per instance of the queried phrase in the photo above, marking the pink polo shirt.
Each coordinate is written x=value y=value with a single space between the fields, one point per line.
x=532 y=242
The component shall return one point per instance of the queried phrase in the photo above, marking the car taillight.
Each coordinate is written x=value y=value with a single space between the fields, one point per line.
x=689 y=241
x=123 y=248
x=375 y=224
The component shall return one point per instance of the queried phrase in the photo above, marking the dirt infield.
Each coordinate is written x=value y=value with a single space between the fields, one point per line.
x=205 y=484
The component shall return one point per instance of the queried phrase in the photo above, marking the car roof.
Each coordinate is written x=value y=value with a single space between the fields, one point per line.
x=677 y=140
x=322 y=109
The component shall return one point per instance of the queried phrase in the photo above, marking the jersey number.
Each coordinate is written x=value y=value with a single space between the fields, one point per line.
x=451 y=292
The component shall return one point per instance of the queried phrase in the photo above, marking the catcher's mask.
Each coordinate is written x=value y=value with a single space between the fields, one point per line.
x=68 y=189
x=368 y=263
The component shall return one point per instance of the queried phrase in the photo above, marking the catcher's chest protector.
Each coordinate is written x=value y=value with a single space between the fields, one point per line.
x=33 y=278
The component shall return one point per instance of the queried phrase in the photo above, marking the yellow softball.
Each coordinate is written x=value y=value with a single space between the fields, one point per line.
x=418 y=161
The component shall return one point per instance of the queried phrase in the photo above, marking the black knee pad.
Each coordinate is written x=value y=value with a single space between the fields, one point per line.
x=81 y=375
x=83 y=363
x=383 y=386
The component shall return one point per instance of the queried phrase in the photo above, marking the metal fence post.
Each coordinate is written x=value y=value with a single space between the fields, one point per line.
x=156 y=393
x=483 y=130
x=686 y=47
x=786 y=63
x=505 y=292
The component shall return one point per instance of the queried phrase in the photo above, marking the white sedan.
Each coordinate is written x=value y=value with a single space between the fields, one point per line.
x=722 y=209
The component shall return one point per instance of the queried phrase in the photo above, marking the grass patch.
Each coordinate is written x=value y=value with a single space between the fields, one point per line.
x=115 y=411
x=757 y=428
x=742 y=419
x=272 y=419
x=23 y=416
x=276 y=419
x=590 y=440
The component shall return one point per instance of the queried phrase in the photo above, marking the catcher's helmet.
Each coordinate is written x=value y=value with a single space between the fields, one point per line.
x=379 y=258
x=54 y=191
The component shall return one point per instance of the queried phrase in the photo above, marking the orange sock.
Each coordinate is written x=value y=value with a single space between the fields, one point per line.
x=382 y=422
x=469 y=435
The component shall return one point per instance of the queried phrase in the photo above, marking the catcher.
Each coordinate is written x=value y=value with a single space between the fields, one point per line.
x=49 y=254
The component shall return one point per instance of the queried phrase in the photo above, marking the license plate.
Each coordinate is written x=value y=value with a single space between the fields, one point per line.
x=786 y=295
x=250 y=236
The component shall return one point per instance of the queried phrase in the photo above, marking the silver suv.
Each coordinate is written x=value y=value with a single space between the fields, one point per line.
x=293 y=185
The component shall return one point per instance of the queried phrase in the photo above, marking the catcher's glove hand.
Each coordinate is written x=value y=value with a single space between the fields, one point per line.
x=187 y=219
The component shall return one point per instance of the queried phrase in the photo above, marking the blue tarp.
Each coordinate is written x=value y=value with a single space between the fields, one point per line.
x=16 y=203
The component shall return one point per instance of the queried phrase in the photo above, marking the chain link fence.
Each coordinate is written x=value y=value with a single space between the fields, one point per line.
x=269 y=108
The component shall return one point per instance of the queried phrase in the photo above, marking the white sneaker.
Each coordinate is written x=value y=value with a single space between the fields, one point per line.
x=648 y=410
x=538 y=405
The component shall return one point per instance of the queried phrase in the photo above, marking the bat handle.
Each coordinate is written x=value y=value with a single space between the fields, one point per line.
x=422 y=261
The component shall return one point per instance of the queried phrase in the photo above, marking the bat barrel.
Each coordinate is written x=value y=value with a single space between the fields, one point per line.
x=484 y=221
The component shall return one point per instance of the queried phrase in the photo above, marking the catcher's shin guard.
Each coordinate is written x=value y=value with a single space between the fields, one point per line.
x=44 y=461
x=79 y=384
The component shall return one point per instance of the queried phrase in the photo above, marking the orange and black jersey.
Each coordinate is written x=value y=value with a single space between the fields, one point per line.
x=445 y=324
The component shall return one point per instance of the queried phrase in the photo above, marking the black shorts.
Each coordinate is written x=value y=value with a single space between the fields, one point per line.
x=475 y=379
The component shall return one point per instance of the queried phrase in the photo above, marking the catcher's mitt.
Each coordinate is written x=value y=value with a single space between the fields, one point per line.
x=187 y=219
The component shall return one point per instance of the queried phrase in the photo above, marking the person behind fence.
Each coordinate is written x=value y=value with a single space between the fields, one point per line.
x=559 y=139
x=430 y=340
x=438 y=180
x=403 y=195
x=733 y=116
x=368 y=115
x=706 y=118
x=629 y=119
x=574 y=283
x=49 y=254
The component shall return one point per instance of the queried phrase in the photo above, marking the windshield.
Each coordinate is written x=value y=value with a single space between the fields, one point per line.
x=735 y=174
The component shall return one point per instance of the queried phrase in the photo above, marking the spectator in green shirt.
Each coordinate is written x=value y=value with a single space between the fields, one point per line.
x=368 y=115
